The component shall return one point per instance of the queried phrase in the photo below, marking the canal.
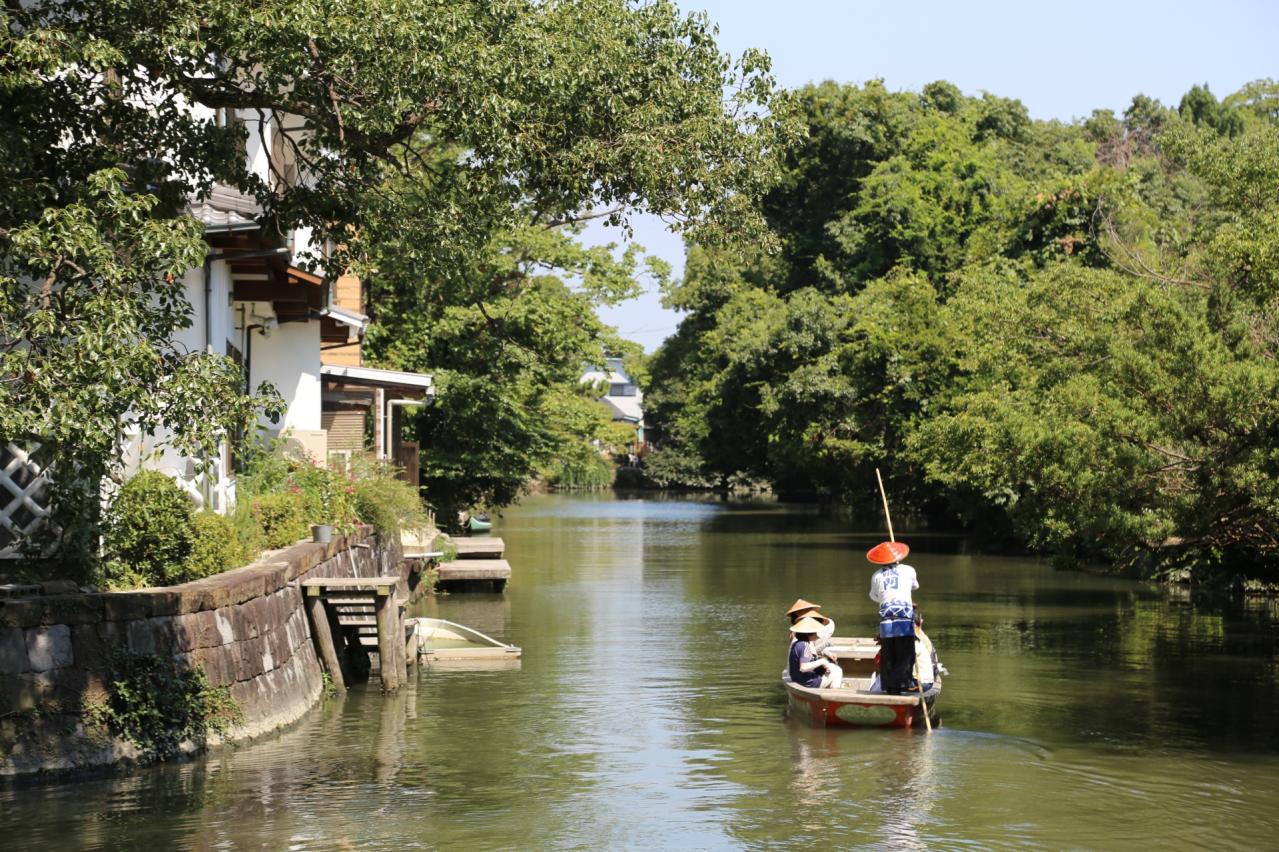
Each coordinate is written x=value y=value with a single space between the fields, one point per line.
x=1081 y=712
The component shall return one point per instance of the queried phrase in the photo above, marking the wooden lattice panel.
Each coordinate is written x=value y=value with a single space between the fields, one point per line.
x=24 y=495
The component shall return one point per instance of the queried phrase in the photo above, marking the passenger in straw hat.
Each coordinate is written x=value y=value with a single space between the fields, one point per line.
x=807 y=667
x=802 y=608
x=891 y=588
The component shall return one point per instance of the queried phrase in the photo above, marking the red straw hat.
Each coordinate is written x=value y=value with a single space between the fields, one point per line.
x=888 y=552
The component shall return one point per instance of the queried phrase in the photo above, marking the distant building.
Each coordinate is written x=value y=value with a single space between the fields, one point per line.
x=624 y=399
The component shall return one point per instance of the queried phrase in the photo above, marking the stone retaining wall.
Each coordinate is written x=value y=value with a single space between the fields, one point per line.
x=246 y=628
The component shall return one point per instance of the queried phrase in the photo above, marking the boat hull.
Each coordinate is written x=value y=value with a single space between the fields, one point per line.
x=854 y=708
x=446 y=646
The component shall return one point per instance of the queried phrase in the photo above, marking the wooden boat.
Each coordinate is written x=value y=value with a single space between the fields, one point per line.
x=447 y=646
x=853 y=705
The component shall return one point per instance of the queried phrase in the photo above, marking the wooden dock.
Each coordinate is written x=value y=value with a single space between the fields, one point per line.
x=342 y=609
x=479 y=563
x=488 y=547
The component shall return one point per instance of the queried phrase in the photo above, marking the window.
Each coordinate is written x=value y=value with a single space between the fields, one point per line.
x=621 y=390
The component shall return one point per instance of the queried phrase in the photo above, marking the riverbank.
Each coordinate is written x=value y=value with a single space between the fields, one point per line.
x=243 y=635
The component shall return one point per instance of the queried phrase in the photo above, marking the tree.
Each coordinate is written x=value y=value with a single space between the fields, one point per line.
x=452 y=129
x=90 y=297
x=1199 y=105
x=1106 y=417
x=507 y=361
x=1060 y=337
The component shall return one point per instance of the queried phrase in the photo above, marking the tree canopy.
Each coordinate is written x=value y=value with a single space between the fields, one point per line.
x=446 y=149
x=1059 y=335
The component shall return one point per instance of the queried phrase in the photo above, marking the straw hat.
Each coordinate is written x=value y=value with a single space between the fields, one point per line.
x=800 y=605
x=807 y=624
x=888 y=552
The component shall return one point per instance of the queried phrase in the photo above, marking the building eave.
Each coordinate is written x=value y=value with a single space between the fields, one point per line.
x=378 y=378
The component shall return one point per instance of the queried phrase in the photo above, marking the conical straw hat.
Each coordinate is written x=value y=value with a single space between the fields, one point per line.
x=800 y=605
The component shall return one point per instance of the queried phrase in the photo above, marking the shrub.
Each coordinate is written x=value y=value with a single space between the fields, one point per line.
x=380 y=499
x=590 y=472
x=248 y=533
x=281 y=518
x=327 y=494
x=155 y=703
x=214 y=548
x=148 y=534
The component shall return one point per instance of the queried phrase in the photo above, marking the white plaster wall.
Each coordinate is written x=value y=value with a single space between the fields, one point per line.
x=153 y=451
x=223 y=325
x=256 y=153
x=290 y=360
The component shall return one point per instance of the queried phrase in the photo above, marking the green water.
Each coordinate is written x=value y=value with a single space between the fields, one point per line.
x=1081 y=712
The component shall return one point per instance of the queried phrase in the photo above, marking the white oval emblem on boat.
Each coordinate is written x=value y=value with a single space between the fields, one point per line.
x=859 y=714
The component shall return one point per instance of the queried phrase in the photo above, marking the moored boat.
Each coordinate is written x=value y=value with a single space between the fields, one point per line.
x=479 y=523
x=853 y=704
x=446 y=645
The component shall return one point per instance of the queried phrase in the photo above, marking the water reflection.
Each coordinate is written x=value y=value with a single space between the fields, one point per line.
x=1082 y=712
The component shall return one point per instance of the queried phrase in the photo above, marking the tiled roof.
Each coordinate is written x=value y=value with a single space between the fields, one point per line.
x=226 y=209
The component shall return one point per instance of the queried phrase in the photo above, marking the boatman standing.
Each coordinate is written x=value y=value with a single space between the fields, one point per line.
x=891 y=588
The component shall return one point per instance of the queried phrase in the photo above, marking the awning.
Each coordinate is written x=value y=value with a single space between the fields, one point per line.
x=375 y=378
x=357 y=321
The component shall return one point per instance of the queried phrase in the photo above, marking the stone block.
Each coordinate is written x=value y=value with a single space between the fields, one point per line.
x=47 y=691
x=13 y=651
x=268 y=658
x=233 y=587
x=275 y=576
x=242 y=623
x=248 y=659
x=281 y=650
x=226 y=630
x=18 y=692
x=128 y=606
x=114 y=636
x=72 y=609
x=302 y=626
x=277 y=612
x=258 y=611
x=140 y=637
x=162 y=634
x=246 y=695
x=49 y=647
x=185 y=638
x=61 y=688
x=205 y=629
x=195 y=596
x=21 y=613
x=218 y=664
x=90 y=652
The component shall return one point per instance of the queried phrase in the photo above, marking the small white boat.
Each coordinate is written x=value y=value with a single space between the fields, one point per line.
x=448 y=646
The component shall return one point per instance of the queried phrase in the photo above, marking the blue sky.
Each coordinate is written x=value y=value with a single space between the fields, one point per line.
x=1062 y=60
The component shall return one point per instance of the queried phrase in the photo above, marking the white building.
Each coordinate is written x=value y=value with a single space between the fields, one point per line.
x=253 y=301
x=624 y=399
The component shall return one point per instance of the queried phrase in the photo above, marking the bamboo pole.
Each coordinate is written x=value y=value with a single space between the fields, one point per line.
x=884 y=497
